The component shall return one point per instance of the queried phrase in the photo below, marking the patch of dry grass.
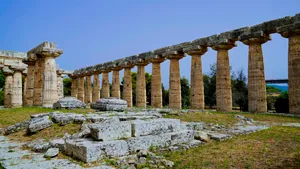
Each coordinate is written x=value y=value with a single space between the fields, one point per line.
x=278 y=147
x=11 y=116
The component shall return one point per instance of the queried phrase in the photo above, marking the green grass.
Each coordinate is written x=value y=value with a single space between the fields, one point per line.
x=229 y=119
x=278 y=147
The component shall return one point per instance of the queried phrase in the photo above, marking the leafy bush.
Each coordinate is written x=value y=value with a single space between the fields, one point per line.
x=1 y=98
x=282 y=103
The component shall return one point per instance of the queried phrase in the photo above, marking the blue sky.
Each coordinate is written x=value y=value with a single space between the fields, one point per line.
x=96 y=31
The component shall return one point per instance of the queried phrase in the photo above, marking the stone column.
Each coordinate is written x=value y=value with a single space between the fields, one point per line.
x=16 y=98
x=223 y=79
x=74 y=86
x=60 y=85
x=292 y=32
x=24 y=90
x=8 y=86
x=257 y=95
x=116 y=83
x=141 y=98
x=80 y=95
x=30 y=83
x=38 y=81
x=96 y=88
x=127 y=87
x=156 y=86
x=174 y=81
x=105 y=85
x=88 y=91
x=197 y=89
x=50 y=81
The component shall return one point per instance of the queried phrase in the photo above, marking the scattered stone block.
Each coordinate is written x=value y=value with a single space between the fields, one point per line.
x=111 y=130
x=63 y=118
x=180 y=137
x=192 y=126
x=154 y=127
x=90 y=151
x=58 y=143
x=201 y=135
x=16 y=127
x=68 y=103
x=39 y=146
x=219 y=136
x=39 y=123
x=109 y=104
x=145 y=142
x=39 y=115
x=51 y=152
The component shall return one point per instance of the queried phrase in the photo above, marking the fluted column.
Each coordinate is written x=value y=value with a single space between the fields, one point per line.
x=197 y=89
x=127 y=87
x=96 y=88
x=16 y=98
x=116 y=83
x=174 y=81
x=24 y=91
x=292 y=32
x=156 y=88
x=38 y=81
x=88 y=90
x=60 y=89
x=8 y=86
x=74 y=86
x=30 y=83
x=141 y=97
x=50 y=81
x=257 y=95
x=223 y=79
x=80 y=95
x=105 y=85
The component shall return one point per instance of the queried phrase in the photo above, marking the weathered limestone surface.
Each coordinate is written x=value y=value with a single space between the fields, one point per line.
x=174 y=82
x=127 y=88
x=8 y=86
x=40 y=123
x=156 y=88
x=88 y=90
x=154 y=127
x=16 y=98
x=116 y=84
x=68 y=103
x=50 y=82
x=38 y=81
x=24 y=90
x=96 y=88
x=141 y=86
x=74 y=87
x=105 y=85
x=111 y=131
x=197 y=89
x=223 y=81
x=257 y=95
x=110 y=104
x=80 y=95
x=30 y=84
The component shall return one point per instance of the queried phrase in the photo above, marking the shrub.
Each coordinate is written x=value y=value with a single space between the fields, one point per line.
x=282 y=103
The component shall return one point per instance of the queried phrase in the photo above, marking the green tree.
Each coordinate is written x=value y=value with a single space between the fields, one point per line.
x=148 y=77
x=240 y=90
x=2 y=83
x=185 y=93
x=282 y=103
x=165 y=96
x=209 y=81
x=67 y=86
x=272 y=89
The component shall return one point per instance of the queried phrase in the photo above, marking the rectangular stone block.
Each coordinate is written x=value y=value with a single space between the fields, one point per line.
x=154 y=127
x=90 y=151
x=180 y=137
x=145 y=142
x=111 y=131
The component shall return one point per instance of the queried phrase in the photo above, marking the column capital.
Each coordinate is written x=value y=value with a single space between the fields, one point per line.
x=7 y=71
x=46 y=49
x=173 y=55
x=157 y=59
x=29 y=62
x=254 y=37
x=226 y=44
x=116 y=68
x=195 y=50
x=18 y=68
x=128 y=65
x=289 y=30
x=142 y=62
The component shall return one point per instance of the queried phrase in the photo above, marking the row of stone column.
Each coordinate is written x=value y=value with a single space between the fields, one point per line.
x=256 y=77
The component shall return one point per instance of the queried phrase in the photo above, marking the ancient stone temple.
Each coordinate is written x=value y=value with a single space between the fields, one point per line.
x=44 y=84
x=252 y=36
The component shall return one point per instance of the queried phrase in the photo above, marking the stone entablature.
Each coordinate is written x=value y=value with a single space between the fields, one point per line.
x=283 y=25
